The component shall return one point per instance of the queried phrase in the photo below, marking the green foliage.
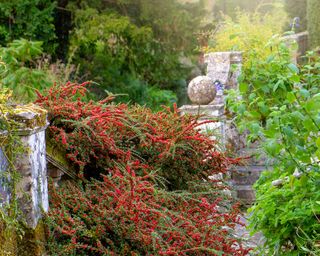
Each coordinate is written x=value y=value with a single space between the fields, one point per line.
x=32 y=19
x=249 y=33
x=287 y=216
x=230 y=7
x=26 y=69
x=280 y=106
x=128 y=215
x=123 y=58
x=297 y=8
x=19 y=75
x=174 y=24
x=123 y=45
x=96 y=135
x=313 y=8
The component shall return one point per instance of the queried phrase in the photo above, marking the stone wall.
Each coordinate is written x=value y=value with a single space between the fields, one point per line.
x=302 y=41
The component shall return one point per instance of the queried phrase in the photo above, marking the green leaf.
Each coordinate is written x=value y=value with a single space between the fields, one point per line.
x=308 y=124
x=293 y=68
x=243 y=87
x=273 y=147
x=295 y=78
x=290 y=97
x=318 y=142
x=254 y=114
x=304 y=93
x=270 y=58
x=276 y=86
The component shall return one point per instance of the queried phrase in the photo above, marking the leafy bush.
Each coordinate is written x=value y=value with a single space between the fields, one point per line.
x=280 y=107
x=19 y=74
x=120 y=56
x=230 y=7
x=288 y=215
x=126 y=159
x=249 y=33
x=125 y=214
x=95 y=134
x=25 y=69
x=174 y=24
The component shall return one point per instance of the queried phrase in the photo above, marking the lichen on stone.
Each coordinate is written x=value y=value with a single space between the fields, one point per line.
x=29 y=116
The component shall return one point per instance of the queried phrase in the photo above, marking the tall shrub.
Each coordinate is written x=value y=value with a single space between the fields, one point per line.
x=230 y=7
x=21 y=74
x=314 y=22
x=249 y=33
x=122 y=57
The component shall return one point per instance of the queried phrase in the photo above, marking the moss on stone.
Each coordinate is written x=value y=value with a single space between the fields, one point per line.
x=31 y=243
x=29 y=116
x=8 y=241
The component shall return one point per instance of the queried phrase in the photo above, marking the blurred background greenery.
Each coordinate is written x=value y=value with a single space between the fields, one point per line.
x=145 y=51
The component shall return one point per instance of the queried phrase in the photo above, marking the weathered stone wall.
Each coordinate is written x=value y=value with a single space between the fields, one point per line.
x=302 y=41
x=31 y=188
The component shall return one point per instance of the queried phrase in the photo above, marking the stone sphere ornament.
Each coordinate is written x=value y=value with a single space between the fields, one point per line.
x=202 y=90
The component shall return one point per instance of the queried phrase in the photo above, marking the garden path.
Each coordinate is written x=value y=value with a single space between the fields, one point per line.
x=251 y=241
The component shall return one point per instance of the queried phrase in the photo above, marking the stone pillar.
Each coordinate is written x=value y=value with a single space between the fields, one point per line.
x=225 y=67
x=31 y=188
x=302 y=42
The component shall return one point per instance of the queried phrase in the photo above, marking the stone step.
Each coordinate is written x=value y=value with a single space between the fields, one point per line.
x=245 y=194
x=247 y=175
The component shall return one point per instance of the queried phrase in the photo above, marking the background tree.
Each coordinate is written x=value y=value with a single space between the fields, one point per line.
x=314 y=22
x=31 y=19
x=230 y=7
x=128 y=48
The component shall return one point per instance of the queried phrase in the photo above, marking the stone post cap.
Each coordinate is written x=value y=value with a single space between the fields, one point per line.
x=233 y=57
x=29 y=118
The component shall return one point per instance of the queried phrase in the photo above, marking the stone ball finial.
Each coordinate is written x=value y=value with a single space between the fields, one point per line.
x=202 y=90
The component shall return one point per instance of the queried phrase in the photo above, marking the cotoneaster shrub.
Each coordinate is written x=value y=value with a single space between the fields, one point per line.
x=126 y=158
x=126 y=214
x=95 y=135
